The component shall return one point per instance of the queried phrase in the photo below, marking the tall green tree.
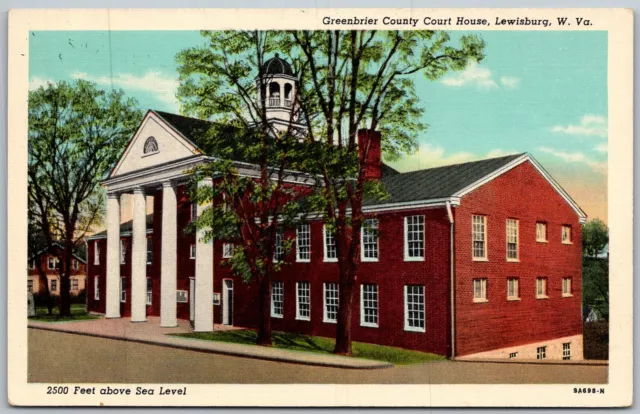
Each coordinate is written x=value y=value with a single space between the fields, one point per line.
x=595 y=270
x=595 y=236
x=76 y=134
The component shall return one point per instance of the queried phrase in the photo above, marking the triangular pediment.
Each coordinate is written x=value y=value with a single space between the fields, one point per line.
x=155 y=142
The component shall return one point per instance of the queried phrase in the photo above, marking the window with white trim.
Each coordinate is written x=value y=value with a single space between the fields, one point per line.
x=96 y=287
x=54 y=285
x=330 y=250
x=541 y=232
x=414 y=238
x=479 y=237
x=369 y=240
x=149 y=250
x=513 y=355
x=32 y=264
x=369 y=305
x=123 y=290
x=541 y=352
x=277 y=299
x=330 y=302
x=96 y=253
x=414 y=308
x=123 y=251
x=303 y=301
x=480 y=290
x=192 y=251
x=278 y=250
x=30 y=285
x=193 y=211
x=74 y=285
x=566 y=234
x=149 y=291
x=51 y=263
x=74 y=264
x=541 y=288
x=566 y=351
x=512 y=240
x=513 y=288
x=566 y=287
x=227 y=250
x=303 y=243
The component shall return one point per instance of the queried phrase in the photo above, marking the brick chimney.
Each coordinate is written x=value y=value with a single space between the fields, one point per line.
x=369 y=147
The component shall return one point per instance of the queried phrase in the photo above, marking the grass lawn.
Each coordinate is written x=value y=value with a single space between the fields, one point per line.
x=78 y=313
x=317 y=344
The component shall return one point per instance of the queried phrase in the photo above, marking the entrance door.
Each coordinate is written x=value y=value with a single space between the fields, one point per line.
x=192 y=300
x=227 y=302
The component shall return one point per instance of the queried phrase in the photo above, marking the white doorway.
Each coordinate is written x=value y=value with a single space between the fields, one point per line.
x=192 y=300
x=227 y=302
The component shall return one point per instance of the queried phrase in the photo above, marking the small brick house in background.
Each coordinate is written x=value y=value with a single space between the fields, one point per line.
x=50 y=264
x=467 y=260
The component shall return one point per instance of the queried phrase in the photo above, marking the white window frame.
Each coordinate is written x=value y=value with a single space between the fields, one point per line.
x=325 y=301
x=516 y=288
x=307 y=233
x=274 y=284
x=73 y=282
x=123 y=252
x=32 y=264
x=566 y=230
x=567 y=291
x=482 y=298
x=541 y=227
x=149 y=291
x=96 y=288
x=51 y=263
x=123 y=291
x=278 y=249
x=513 y=355
x=407 y=325
x=327 y=234
x=541 y=352
x=227 y=250
x=149 y=250
x=407 y=251
x=30 y=285
x=362 y=308
x=374 y=235
x=545 y=288
x=485 y=254
x=566 y=351
x=193 y=211
x=96 y=253
x=299 y=301
x=54 y=284
x=192 y=251
x=510 y=223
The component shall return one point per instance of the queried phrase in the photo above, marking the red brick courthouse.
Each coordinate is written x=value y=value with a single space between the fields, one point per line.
x=474 y=259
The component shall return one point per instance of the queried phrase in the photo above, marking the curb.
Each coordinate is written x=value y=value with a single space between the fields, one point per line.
x=597 y=363
x=274 y=358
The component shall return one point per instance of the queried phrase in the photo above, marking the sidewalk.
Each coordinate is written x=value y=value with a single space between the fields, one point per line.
x=150 y=332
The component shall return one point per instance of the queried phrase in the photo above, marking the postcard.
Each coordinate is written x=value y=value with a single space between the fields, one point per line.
x=328 y=207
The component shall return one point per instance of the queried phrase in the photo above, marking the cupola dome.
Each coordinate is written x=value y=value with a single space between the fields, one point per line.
x=277 y=66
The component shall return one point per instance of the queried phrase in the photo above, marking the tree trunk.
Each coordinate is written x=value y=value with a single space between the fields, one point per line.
x=264 y=333
x=45 y=291
x=65 y=299
x=345 y=311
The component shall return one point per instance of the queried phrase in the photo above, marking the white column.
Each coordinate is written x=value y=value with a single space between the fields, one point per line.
x=113 y=256
x=204 y=276
x=169 y=263
x=139 y=258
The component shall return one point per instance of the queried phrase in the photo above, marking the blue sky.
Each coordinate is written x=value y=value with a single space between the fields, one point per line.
x=539 y=92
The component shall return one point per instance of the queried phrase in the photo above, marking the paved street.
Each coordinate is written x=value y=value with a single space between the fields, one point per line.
x=60 y=357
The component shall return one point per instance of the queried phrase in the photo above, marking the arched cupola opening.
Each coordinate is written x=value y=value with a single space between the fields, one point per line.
x=274 y=94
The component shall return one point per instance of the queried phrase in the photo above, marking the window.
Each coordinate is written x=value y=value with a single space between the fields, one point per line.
x=303 y=301
x=414 y=308
x=227 y=250
x=566 y=287
x=123 y=290
x=370 y=240
x=566 y=351
x=303 y=243
x=541 y=232
x=330 y=302
x=96 y=253
x=96 y=287
x=513 y=355
x=512 y=289
x=566 y=234
x=74 y=285
x=149 y=250
x=149 y=291
x=54 y=285
x=278 y=251
x=414 y=238
x=30 y=285
x=123 y=251
x=512 y=240
x=541 y=288
x=480 y=290
x=192 y=251
x=150 y=146
x=74 y=264
x=541 y=352
x=479 y=236
x=330 y=251
x=51 y=263
x=32 y=264
x=277 y=300
x=369 y=305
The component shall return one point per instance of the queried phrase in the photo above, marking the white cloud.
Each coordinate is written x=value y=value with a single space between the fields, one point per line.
x=37 y=82
x=576 y=157
x=589 y=125
x=475 y=75
x=160 y=86
x=602 y=147
x=430 y=156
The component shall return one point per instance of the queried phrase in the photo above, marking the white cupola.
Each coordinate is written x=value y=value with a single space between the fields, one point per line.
x=279 y=84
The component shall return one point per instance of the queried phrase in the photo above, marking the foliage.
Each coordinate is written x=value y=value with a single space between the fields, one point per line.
x=595 y=284
x=78 y=313
x=595 y=236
